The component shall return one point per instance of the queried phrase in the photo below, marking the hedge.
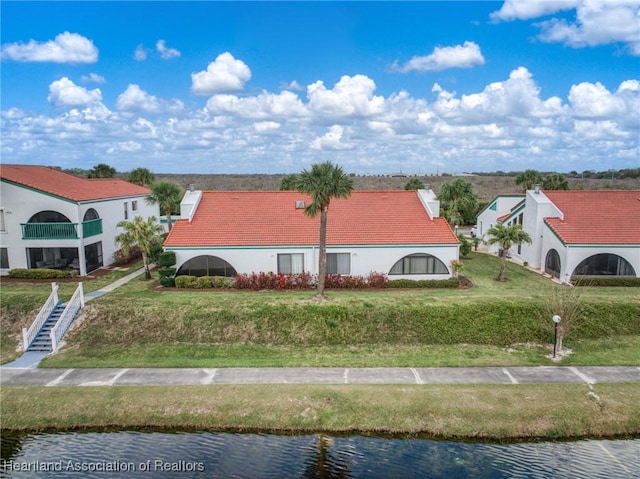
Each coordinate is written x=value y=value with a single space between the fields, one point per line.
x=424 y=283
x=166 y=259
x=42 y=273
x=498 y=323
x=605 y=281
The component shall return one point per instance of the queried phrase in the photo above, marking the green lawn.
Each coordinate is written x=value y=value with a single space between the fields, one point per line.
x=493 y=323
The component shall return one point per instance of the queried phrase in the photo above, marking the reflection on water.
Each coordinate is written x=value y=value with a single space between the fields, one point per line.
x=227 y=455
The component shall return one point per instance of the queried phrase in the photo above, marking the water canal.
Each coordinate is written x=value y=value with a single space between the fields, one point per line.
x=229 y=455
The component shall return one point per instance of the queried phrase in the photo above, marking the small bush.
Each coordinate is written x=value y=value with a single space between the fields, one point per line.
x=166 y=259
x=222 y=282
x=119 y=258
x=42 y=273
x=167 y=281
x=605 y=281
x=186 y=282
x=465 y=246
x=166 y=272
x=377 y=280
x=204 y=282
x=424 y=283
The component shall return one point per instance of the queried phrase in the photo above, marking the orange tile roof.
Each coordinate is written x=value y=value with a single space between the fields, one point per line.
x=269 y=218
x=64 y=185
x=597 y=217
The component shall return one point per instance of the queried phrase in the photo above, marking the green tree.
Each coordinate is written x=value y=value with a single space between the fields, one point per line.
x=102 y=170
x=167 y=196
x=323 y=182
x=144 y=235
x=528 y=178
x=414 y=184
x=465 y=245
x=288 y=183
x=555 y=181
x=457 y=197
x=506 y=237
x=141 y=176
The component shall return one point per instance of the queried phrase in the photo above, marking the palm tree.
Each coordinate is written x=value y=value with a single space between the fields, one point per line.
x=102 y=170
x=506 y=237
x=414 y=184
x=140 y=233
x=457 y=197
x=167 y=195
x=528 y=178
x=555 y=181
x=288 y=183
x=141 y=176
x=324 y=182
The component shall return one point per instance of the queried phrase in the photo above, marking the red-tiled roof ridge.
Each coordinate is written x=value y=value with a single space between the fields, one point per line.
x=231 y=218
x=596 y=216
x=64 y=185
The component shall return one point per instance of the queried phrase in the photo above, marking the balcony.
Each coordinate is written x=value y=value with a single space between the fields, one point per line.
x=60 y=231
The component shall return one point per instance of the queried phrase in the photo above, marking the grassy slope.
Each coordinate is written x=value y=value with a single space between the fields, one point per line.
x=136 y=326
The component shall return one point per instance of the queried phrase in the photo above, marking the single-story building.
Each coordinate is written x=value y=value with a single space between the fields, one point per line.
x=51 y=219
x=399 y=233
x=579 y=233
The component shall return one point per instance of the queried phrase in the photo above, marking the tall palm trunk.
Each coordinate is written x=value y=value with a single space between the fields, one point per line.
x=503 y=264
x=167 y=212
x=147 y=273
x=322 y=260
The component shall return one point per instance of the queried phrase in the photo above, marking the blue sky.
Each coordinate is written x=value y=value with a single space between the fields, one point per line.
x=271 y=87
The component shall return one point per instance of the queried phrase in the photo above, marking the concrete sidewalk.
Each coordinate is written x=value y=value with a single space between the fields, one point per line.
x=210 y=376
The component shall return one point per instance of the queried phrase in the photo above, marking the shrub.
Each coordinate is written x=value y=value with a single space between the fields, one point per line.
x=204 y=282
x=166 y=272
x=42 y=273
x=605 y=281
x=222 y=282
x=166 y=259
x=465 y=246
x=186 y=281
x=424 y=283
x=279 y=281
x=120 y=258
x=167 y=281
x=377 y=280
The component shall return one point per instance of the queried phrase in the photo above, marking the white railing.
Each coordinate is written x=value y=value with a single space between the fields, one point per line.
x=75 y=304
x=28 y=335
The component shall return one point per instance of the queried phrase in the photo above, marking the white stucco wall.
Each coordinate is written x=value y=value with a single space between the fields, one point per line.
x=19 y=204
x=489 y=217
x=364 y=259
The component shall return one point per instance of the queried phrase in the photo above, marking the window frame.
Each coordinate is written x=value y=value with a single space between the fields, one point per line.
x=337 y=257
x=282 y=256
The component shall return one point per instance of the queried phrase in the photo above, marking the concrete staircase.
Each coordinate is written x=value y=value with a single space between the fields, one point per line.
x=42 y=341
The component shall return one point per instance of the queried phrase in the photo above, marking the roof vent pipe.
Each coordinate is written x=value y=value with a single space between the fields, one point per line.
x=536 y=189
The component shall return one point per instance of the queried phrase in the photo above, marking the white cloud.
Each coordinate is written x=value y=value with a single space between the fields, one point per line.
x=466 y=55
x=136 y=99
x=351 y=96
x=166 y=53
x=332 y=140
x=505 y=125
x=595 y=101
x=65 y=48
x=224 y=75
x=92 y=78
x=64 y=92
x=598 y=22
x=292 y=85
x=526 y=9
x=140 y=53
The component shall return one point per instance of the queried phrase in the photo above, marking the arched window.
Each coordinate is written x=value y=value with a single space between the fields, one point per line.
x=552 y=263
x=206 y=265
x=419 y=263
x=604 y=264
x=49 y=217
x=90 y=214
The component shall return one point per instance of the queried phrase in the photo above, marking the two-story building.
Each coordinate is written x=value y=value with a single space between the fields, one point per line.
x=398 y=233
x=51 y=219
x=578 y=232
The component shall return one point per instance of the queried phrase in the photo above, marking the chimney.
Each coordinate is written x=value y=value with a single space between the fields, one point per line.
x=536 y=189
x=192 y=187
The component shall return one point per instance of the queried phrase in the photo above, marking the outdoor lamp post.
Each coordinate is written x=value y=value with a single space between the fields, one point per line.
x=556 y=321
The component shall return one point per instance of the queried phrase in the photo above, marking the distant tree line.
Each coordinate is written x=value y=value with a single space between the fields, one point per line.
x=587 y=174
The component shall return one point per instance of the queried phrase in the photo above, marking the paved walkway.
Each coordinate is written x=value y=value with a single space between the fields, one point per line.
x=203 y=376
